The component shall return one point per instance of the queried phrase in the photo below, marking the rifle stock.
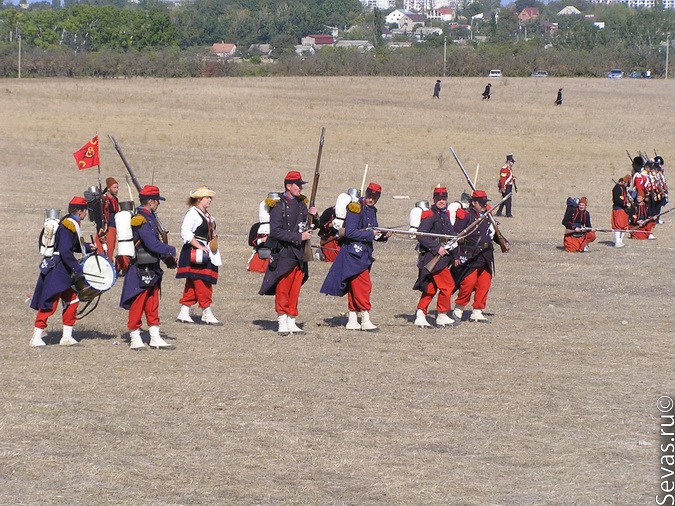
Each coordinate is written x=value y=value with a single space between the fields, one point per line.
x=163 y=232
x=309 y=224
x=503 y=243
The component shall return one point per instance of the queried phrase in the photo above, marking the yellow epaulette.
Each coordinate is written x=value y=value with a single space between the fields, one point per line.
x=137 y=220
x=354 y=207
x=304 y=199
x=270 y=202
x=68 y=223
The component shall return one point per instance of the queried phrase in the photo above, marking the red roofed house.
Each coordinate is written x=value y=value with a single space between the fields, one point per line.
x=224 y=50
x=443 y=13
x=528 y=14
x=319 y=39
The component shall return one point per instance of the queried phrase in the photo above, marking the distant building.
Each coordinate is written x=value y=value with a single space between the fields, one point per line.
x=639 y=4
x=528 y=14
x=442 y=13
x=407 y=23
x=224 y=50
x=318 y=39
x=380 y=4
x=360 y=45
x=570 y=10
x=395 y=16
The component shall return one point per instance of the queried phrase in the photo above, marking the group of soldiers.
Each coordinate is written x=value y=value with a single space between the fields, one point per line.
x=638 y=200
x=142 y=248
x=454 y=245
x=454 y=242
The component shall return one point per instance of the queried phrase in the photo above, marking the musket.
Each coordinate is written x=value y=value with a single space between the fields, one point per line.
x=431 y=264
x=309 y=224
x=629 y=157
x=163 y=232
x=585 y=230
x=503 y=243
x=411 y=233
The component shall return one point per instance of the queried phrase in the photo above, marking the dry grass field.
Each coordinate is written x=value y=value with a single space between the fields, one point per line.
x=552 y=403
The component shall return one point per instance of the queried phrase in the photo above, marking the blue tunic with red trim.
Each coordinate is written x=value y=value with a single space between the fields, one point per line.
x=356 y=254
x=56 y=273
x=144 y=226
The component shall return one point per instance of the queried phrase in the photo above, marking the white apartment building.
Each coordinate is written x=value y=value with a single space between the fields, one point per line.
x=380 y=4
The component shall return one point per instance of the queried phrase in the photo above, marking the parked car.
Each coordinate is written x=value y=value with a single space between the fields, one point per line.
x=495 y=73
x=615 y=74
x=539 y=73
x=636 y=74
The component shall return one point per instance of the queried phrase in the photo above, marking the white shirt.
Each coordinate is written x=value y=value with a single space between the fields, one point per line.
x=193 y=219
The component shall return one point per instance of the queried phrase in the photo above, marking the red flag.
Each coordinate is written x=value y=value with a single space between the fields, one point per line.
x=87 y=155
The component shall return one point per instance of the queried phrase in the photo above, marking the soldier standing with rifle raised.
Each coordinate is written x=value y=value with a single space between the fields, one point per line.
x=288 y=269
x=439 y=280
x=350 y=273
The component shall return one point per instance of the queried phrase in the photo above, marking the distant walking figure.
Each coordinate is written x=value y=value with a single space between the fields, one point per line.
x=437 y=89
x=486 y=93
x=559 y=98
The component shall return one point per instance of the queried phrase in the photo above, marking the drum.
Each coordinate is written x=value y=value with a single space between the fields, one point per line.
x=99 y=276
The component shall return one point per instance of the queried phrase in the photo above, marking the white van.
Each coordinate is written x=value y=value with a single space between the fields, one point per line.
x=495 y=73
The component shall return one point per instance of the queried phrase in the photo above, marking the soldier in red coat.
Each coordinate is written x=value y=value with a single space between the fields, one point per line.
x=505 y=184
x=439 y=281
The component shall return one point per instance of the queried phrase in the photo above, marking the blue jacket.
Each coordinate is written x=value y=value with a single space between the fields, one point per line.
x=57 y=272
x=356 y=254
x=146 y=234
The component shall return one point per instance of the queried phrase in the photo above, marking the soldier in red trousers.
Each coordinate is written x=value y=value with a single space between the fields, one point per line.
x=439 y=280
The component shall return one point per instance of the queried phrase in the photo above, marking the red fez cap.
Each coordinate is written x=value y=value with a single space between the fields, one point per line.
x=78 y=202
x=150 y=192
x=374 y=189
x=294 y=177
x=480 y=195
x=110 y=181
x=440 y=191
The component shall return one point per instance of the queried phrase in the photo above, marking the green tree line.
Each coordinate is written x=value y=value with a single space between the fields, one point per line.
x=113 y=38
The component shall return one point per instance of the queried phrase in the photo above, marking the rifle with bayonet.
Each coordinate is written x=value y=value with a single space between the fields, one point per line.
x=309 y=224
x=163 y=232
x=452 y=244
x=503 y=243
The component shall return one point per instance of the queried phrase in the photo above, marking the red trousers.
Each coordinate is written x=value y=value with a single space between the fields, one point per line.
x=478 y=281
x=287 y=292
x=646 y=230
x=358 y=293
x=619 y=219
x=110 y=241
x=145 y=302
x=577 y=244
x=69 y=316
x=442 y=283
x=330 y=251
x=257 y=264
x=195 y=291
